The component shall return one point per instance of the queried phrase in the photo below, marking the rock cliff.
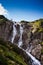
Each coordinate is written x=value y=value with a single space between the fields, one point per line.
x=32 y=35
x=6 y=27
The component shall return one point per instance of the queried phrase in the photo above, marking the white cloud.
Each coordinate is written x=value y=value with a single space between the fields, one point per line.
x=3 y=11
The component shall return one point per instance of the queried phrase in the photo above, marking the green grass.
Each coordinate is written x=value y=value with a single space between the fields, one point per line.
x=38 y=24
x=9 y=57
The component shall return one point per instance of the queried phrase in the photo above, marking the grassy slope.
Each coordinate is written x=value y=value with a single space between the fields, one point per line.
x=38 y=24
x=8 y=56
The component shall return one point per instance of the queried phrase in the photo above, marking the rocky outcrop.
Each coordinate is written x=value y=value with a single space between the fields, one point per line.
x=37 y=51
x=16 y=39
x=32 y=41
x=6 y=28
x=17 y=28
x=38 y=35
x=25 y=40
x=26 y=36
x=27 y=26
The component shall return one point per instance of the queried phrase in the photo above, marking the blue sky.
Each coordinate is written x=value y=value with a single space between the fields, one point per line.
x=23 y=9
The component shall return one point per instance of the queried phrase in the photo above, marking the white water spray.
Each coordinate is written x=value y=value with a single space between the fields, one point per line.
x=14 y=33
x=20 y=40
x=35 y=61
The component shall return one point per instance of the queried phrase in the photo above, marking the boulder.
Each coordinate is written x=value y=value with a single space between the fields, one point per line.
x=37 y=51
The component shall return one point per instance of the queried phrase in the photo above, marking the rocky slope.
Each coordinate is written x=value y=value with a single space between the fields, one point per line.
x=32 y=36
x=35 y=44
x=6 y=27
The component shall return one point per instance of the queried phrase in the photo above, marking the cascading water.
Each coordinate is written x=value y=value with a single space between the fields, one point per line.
x=29 y=49
x=20 y=40
x=34 y=60
x=14 y=32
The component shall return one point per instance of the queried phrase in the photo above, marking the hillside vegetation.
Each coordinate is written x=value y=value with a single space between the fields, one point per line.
x=8 y=56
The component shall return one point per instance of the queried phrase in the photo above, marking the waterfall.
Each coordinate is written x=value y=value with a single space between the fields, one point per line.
x=14 y=32
x=34 y=60
x=20 y=40
x=29 y=49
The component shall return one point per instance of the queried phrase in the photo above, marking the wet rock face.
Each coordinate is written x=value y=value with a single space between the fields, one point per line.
x=37 y=51
x=27 y=26
x=34 y=43
x=17 y=28
x=24 y=36
x=25 y=40
x=6 y=30
x=16 y=38
x=38 y=35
